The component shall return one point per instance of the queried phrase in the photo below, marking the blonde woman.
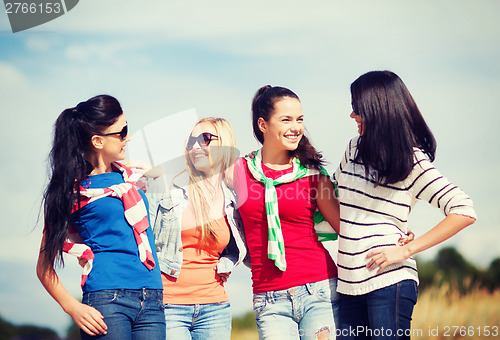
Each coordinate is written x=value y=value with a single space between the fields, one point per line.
x=198 y=241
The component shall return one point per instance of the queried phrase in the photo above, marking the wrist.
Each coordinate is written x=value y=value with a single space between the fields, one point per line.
x=407 y=251
x=70 y=306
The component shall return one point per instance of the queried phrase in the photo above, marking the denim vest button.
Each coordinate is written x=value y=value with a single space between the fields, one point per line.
x=181 y=249
x=172 y=272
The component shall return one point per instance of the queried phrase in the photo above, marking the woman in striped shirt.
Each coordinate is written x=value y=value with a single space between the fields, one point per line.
x=384 y=172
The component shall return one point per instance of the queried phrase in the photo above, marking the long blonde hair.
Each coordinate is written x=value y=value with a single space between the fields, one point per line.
x=199 y=190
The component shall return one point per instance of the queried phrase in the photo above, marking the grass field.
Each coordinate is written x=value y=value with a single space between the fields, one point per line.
x=442 y=313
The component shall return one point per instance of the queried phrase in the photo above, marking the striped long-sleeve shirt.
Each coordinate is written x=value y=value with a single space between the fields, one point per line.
x=376 y=216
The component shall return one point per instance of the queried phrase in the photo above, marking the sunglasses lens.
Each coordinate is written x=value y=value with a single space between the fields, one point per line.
x=124 y=132
x=206 y=139
x=191 y=142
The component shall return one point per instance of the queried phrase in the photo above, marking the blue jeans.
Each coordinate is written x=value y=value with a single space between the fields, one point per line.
x=202 y=322
x=309 y=311
x=130 y=314
x=382 y=314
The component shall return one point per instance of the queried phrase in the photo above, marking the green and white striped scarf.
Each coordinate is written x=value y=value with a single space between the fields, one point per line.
x=275 y=244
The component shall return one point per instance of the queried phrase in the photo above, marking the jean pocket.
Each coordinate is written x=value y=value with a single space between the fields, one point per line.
x=100 y=297
x=259 y=304
x=409 y=290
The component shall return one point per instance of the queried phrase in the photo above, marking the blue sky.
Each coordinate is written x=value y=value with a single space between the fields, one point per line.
x=161 y=57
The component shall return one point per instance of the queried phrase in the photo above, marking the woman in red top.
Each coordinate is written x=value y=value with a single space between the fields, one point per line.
x=279 y=189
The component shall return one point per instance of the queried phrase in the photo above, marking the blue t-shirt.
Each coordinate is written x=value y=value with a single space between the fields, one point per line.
x=104 y=229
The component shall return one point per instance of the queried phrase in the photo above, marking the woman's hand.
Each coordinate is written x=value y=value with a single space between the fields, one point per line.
x=224 y=276
x=139 y=165
x=251 y=155
x=82 y=262
x=410 y=236
x=144 y=168
x=89 y=319
x=383 y=257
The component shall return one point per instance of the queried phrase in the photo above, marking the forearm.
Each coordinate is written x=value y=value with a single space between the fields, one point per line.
x=448 y=227
x=52 y=284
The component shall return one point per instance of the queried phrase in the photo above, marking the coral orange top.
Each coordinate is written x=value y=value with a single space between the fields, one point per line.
x=198 y=281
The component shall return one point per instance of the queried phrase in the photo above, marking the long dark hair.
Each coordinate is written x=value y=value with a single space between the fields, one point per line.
x=393 y=126
x=263 y=107
x=73 y=131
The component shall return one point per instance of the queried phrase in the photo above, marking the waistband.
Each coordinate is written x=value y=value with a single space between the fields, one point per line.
x=143 y=293
x=305 y=289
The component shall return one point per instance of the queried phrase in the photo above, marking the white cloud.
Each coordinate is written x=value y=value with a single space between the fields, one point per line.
x=11 y=76
x=42 y=43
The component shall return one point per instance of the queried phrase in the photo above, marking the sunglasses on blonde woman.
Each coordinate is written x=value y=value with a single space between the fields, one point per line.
x=123 y=133
x=203 y=140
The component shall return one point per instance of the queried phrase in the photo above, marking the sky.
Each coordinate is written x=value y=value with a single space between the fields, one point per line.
x=162 y=57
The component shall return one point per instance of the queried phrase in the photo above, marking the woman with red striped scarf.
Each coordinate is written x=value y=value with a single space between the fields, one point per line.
x=92 y=209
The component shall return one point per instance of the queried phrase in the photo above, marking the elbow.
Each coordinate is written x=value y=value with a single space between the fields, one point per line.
x=40 y=269
x=462 y=221
x=470 y=220
x=44 y=270
x=335 y=224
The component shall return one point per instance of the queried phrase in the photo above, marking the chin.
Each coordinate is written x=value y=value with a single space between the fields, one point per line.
x=202 y=167
x=292 y=146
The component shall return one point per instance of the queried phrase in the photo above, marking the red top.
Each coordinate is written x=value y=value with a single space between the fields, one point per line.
x=307 y=260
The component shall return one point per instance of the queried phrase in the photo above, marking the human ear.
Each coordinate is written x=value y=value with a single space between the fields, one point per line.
x=97 y=142
x=262 y=124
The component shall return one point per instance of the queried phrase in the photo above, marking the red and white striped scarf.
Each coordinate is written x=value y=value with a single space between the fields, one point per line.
x=135 y=214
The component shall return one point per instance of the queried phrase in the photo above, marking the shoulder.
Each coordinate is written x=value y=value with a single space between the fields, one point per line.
x=421 y=161
x=353 y=144
x=240 y=167
x=240 y=162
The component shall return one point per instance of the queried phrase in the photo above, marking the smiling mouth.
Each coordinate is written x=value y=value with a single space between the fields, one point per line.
x=199 y=155
x=292 y=137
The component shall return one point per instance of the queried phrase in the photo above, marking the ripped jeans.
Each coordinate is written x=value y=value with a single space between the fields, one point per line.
x=308 y=311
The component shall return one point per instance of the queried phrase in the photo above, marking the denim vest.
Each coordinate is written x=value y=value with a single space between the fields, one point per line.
x=165 y=211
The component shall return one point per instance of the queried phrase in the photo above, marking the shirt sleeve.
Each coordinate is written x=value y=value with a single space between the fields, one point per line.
x=427 y=184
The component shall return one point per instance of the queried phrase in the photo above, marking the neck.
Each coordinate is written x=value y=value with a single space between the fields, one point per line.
x=276 y=159
x=214 y=181
x=212 y=186
x=100 y=166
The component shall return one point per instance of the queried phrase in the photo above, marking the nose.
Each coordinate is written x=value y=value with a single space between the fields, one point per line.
x=196 y=144
x=353 y=114
x=295 y=126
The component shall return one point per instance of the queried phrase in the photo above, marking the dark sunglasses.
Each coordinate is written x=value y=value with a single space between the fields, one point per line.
x=203 y=140
x=123 y=133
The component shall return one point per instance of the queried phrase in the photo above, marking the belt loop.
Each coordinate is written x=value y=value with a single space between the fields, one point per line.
x=270 y=297
x=310 y=288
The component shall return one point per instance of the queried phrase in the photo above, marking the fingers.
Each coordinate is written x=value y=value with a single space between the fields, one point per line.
x=92 y=322
x=82 y=262
x=377 y=259
x=410 y=236
x=224 y=276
